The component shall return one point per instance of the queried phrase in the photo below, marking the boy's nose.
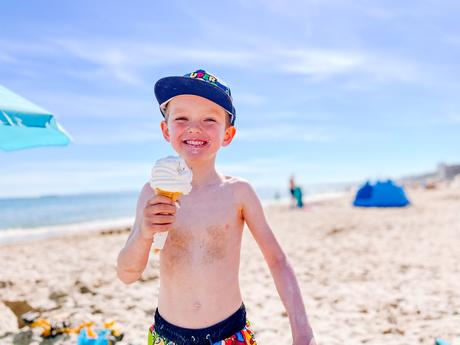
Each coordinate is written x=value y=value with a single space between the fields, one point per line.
x=193 y=128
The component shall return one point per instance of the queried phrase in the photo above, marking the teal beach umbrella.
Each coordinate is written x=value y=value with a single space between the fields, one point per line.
x=25 y=125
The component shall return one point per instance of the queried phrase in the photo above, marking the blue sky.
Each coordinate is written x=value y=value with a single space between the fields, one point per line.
x=333 y=91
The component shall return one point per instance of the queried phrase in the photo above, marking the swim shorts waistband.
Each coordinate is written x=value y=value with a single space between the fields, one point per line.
x=201 y=336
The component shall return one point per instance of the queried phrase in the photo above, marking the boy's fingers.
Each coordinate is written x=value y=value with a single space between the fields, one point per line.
x=160 y=199
x=164 y=219
x=159 y=209
x=160 y=227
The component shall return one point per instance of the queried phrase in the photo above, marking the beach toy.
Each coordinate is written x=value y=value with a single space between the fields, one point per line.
x=172 y=178
x=107 y=336
x=114 y=333
x=49 y=329
x=87 y=335
x=439 y=341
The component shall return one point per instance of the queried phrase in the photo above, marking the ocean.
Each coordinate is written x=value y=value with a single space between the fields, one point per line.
x=24 y=218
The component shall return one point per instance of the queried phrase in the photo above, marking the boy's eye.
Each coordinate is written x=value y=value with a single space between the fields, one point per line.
x=210 y=120
x=180 y=118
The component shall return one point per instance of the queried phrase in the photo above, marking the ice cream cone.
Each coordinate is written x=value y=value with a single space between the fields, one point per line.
x=172 y=195
x=160 y=238
x=172 y=178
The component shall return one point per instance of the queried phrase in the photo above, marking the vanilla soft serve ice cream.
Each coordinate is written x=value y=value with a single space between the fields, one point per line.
x=170 y=177
x=171 y=174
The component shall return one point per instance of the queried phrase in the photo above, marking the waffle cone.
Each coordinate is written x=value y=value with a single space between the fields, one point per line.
x=172 y=195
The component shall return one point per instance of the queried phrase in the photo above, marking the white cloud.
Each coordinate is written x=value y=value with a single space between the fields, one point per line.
x=320 y=64
x=140 y=133
x=250 y=99
x=270 y=175
x=452 y=39
x=290 y=8
x=88 y=107
x=294 y=115
x=375 y=10
x=264 y=172
x=454 y=118
x=286 y=133
x=127 y=60
x=62 y=177
x=6 y=58
x=76 y=177
x=17 y=48
x=362 y=67
x=311 y=10
x=80 y=176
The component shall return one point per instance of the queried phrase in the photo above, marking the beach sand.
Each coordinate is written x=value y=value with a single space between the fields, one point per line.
x=368 y=276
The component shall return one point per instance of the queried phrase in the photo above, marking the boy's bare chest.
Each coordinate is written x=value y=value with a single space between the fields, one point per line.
x=200 y=212
x=204 y=230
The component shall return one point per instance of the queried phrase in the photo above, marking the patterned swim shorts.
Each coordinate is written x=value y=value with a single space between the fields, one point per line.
x=242 y=337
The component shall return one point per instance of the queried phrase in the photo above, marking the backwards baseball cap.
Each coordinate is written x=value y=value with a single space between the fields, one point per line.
x=198 y=83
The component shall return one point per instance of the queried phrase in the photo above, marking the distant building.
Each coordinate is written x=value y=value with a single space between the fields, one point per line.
x=447 y=172
x=444 y=172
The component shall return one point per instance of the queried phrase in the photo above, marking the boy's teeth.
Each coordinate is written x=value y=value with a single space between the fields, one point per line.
x=195 y=142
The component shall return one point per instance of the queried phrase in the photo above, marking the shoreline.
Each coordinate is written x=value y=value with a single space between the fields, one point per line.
x=23 y=235
x=26 y=235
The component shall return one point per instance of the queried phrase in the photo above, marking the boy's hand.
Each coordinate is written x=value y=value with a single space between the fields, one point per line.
x=159 y=214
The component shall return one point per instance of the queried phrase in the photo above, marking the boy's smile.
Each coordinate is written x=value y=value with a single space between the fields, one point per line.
x=196 y=127
x=195 y=144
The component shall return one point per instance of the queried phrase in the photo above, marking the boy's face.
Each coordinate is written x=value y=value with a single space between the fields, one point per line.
x=196 y=127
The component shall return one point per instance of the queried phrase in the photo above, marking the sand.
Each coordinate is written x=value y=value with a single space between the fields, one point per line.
x=368 y=276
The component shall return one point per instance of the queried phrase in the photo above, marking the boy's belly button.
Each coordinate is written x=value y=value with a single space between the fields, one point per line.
x=196 y=306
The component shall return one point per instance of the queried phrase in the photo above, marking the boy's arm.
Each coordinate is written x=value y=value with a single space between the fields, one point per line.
x=154 y=213
x=282 y=272
x=134 y=256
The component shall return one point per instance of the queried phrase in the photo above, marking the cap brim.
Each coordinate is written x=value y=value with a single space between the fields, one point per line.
x=169 y=87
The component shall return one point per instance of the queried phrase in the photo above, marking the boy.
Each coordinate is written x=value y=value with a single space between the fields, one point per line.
x=200 y=300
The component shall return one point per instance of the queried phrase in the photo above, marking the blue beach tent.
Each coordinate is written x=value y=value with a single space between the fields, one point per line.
x=24 y=124
x=382 y=194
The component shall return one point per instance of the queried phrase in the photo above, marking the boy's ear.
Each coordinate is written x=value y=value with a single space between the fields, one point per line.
x=165 y=130
x=230 y=132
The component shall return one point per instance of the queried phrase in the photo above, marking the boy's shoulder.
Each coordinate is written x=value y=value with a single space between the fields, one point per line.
x=241 y=188
x=235 y=182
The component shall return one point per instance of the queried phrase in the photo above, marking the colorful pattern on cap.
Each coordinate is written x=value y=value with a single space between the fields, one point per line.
x=209 y=78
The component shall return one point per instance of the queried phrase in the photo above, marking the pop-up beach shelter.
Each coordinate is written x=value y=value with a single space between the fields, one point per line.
x=24 y=124
x=382 y=194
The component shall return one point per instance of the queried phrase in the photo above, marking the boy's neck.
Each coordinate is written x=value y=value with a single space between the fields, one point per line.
x=204 y=174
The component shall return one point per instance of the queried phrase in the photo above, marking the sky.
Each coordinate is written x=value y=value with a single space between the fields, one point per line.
x=331 y=91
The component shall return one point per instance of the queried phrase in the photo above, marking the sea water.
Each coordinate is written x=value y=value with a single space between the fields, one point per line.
x=53 y=215
x=28 y=217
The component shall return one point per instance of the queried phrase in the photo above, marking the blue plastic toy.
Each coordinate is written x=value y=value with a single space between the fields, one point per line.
x=90 y=337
